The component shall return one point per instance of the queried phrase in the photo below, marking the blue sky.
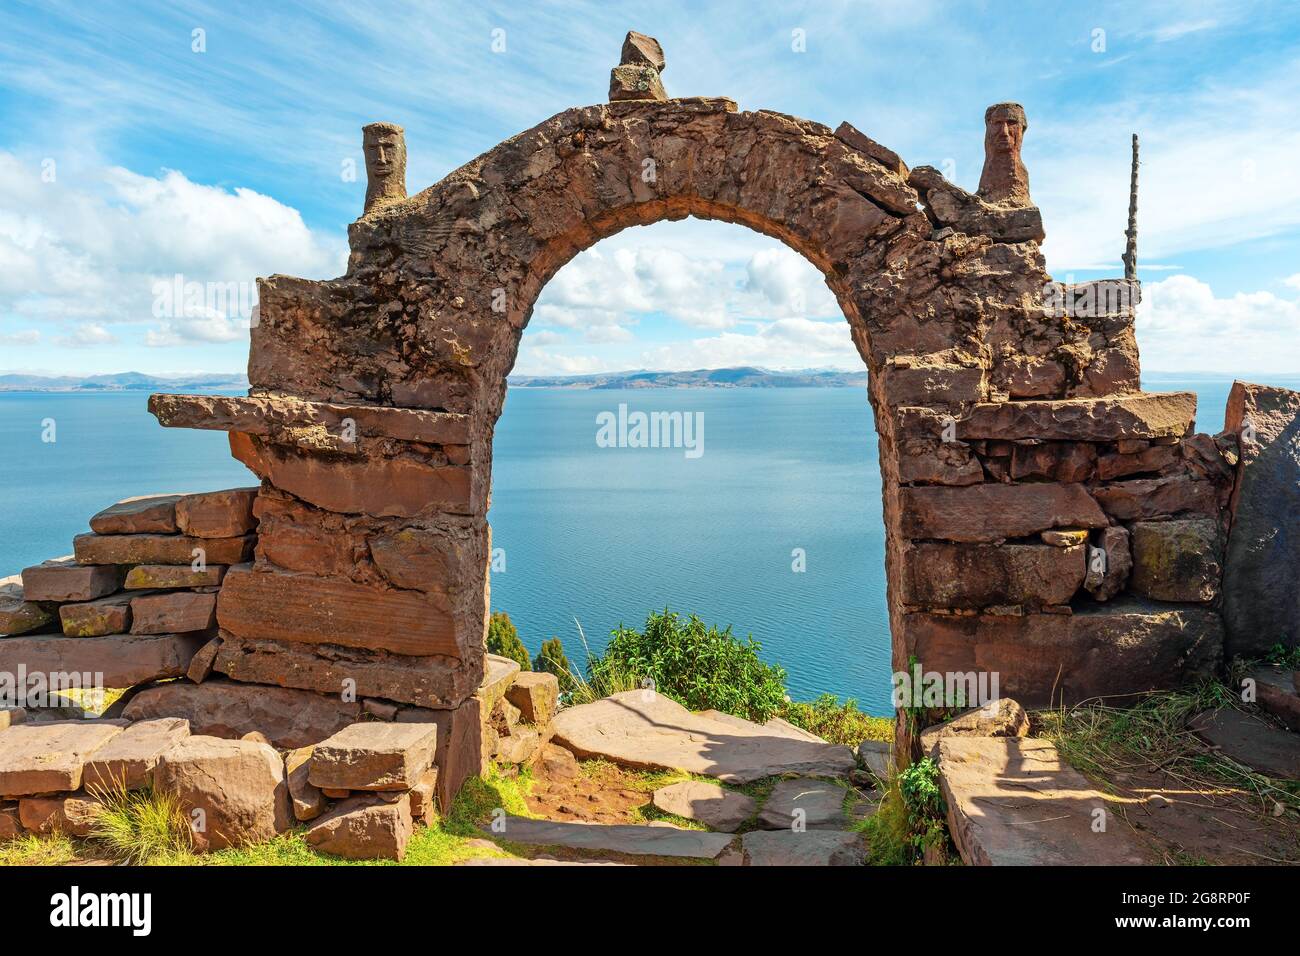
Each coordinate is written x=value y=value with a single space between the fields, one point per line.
x=126 y=158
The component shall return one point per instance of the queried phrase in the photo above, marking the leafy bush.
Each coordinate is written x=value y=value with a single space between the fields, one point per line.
x=838 y=723
x=911 y=818
x=504 y=640
x=553 y=660
x=699 y=667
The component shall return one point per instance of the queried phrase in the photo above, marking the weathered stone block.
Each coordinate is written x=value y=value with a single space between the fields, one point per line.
x=978 y=575
x=305 y=609
x=201 y=664
x=1109 y=564
x=633 y=82
x=536 y=694
x=217 y=514
x=126 y=762
x=173 y=612
x=460 y=754
x=147 y=514
x=159 y=549
x=988 y=512
x=1178 y=560
x=308 y=800
x=374 y=756
x=238 y=785
x=124 y=660
x=1055 y=461
x=162 y=576
x=73 y=814
x=17 y=614
x=1261 y=602
x=37 y=758
x=1145 y=415
x=107 y=615
x=66 y=579
x=424 y=681
x=1158 y=497
x=364 y=828
x=217 y=708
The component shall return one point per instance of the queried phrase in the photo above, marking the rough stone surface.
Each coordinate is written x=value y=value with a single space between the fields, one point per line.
x=217 y=514
x=173 y=612
x=63 y=579
x=976 y=576
x=238 y=785
x=804 y=803
x=424 y=798
x=1179 y=560
x=1278 y=692
x=806 y=848
x=714 y=806
x=127 y=761
x=124 y=660
x=308 y=800
x=73 y=814
x=1261 y=602
x=374 y=756
x=200 y=668
x=38 y=758
x=11 y=824
x=107 y=615
x=11 y=715
x=536 y=694
x=146 y=514
x=1250 y=741
x=218 y=708
x=99 y=549
x=1013 y=801
x=461 y=752
x=1126 y=646
x=173 y=576
x=989 y=513
x=305 y=609
x=1003 y=717
x=631 y=839
x=877 y=757
x=1145 y=415
x=17 y=614
x=1141 y=498
x=1108 y=571
x=364 y=828
x=517 y=747
x=639 y=729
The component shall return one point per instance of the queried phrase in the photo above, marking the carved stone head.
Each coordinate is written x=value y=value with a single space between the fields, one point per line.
x=1005 y=179
x=385 y=149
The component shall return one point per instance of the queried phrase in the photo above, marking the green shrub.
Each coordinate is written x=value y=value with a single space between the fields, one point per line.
x=553 y=660
x=838 y=723
x=504 y=640
x=700 y=667
x=143 y=826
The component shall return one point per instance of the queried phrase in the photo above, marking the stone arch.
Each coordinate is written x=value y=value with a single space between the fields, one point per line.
x=996 y=393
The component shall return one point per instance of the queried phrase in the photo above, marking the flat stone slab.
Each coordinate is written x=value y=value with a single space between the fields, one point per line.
x=993 y=512
x=803 y=803
x=67 y=579
x=1276 y=693
x=40 y=758
x=616 y=838
x=1250 y=741
x=1138 y=416
x=707 y=803
x=124 y=660
x=126 y=762
x=106 y=615
x=173 y=576
x=111 y=549
x=647 y=730
x=219 y=708
x=877 y=757
x=145 y=514
x=806 y=848
x=776 y=727
x=374 y=756
x=217 y=514
x=364 y=828
x=171 y=612
x=1014 y=801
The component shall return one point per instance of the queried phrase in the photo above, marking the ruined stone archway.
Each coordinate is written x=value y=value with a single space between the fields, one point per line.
x=997 y=397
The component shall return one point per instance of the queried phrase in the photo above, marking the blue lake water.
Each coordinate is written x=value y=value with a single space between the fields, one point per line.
x=602 y=535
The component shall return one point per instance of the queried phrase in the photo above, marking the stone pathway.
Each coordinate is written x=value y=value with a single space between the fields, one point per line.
x=1015 y=802
x=811 y=804
x=807 y=848
x=649 y=731
x=1252 y=742
x=717 y=808
x=631 y=839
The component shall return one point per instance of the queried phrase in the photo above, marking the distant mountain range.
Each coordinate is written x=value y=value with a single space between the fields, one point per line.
x=743 y=377
x=121 y=382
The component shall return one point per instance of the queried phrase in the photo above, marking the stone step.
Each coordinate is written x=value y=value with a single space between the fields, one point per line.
x=648 y=730
x=707 y=803
x=803 y=803
x=1250 y=741
x=631 y=839
x=295 y=420
x=803 y=848
x=1014 y=801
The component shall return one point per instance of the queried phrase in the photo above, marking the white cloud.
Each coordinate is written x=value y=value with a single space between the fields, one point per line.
x=1183 y=326
x=1292 y=281
x=24 y=337
x=92 y=248
x=783 y=344
x=1182 y=28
